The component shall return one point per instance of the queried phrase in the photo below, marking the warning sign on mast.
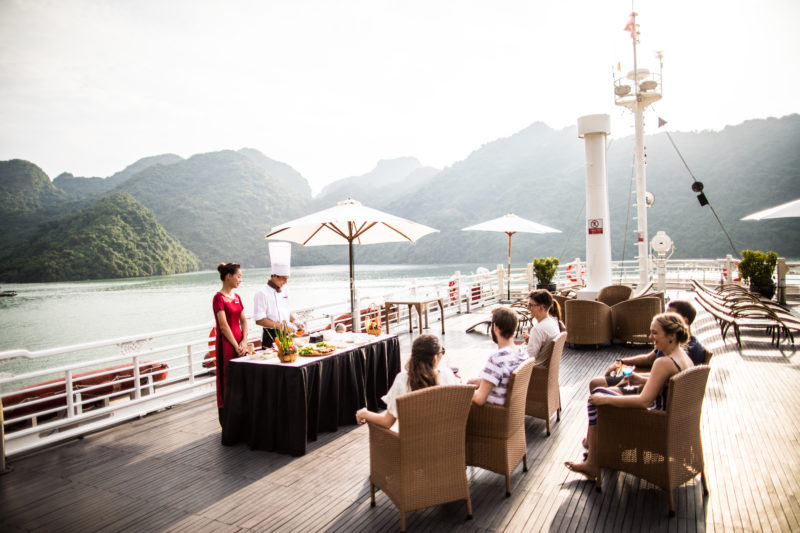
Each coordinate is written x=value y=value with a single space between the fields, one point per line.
x=595 y=226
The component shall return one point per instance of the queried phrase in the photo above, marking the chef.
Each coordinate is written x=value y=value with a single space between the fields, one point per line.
x=271 y=303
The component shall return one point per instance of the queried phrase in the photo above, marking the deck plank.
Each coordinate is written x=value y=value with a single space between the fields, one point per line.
x=168 y=471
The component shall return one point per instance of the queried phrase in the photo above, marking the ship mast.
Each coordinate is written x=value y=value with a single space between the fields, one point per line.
x=646 y=90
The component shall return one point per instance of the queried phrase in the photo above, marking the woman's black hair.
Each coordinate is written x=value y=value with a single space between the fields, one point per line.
x=225 y=269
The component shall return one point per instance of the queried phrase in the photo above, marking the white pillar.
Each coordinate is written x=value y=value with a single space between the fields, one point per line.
x=594 y=129
x=641 y=204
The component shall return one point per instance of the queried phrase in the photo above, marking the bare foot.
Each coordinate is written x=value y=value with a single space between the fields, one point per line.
x=583 y=469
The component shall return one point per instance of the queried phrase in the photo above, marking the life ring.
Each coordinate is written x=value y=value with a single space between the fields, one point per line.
x=453 y=290
x=476 y=293
x=210 y=360
x=725 y=275
x=573 y=274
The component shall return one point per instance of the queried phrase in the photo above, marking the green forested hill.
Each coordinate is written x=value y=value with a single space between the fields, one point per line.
x=83 y=187
x=25 y=187
x=391 y=178
x=219 y=205
x=538 y=174
x=282 y=172
x=115 y=237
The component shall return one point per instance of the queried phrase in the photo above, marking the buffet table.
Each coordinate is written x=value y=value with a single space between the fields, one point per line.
x=278 y=407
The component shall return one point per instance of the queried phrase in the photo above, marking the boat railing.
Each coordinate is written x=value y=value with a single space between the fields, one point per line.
x=69 y=391
x=77 y=389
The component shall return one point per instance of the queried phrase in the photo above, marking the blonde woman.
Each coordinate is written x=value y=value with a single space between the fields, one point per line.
x=669 y=333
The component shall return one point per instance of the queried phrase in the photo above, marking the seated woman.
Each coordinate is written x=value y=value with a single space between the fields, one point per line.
x=669 y=333
x=555 y=312
x=422 y=370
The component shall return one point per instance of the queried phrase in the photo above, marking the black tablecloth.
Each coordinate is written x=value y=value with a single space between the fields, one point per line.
x=277 y=407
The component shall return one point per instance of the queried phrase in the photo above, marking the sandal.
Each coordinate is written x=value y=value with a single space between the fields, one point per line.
x=572 y=467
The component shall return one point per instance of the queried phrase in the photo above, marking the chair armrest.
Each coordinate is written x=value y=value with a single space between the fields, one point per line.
x=631 y=424
x=488 y=421
x=384 y=450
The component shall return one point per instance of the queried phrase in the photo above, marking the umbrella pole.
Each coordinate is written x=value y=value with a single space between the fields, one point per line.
x=509 y=265
x=353 y=317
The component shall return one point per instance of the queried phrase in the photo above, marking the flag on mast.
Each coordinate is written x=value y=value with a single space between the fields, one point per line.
x=631 y=27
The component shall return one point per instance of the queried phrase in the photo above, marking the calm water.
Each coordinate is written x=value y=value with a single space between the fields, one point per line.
x=48 y=315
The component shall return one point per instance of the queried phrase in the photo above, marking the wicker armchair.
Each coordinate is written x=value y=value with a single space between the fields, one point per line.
x=496 y=434
x=424 y=463
x=631 y=318
x=588 y=322
x=614 y=294
x=662 y=447
x=641 y=290
x=544 y=396
x=660 y=296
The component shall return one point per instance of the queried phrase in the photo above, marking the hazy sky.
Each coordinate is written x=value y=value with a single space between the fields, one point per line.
x=332 y=86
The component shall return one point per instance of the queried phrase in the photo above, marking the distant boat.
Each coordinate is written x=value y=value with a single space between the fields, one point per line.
x=8 y=293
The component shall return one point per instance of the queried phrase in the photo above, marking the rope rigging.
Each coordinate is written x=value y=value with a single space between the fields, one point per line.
x=697 y=186
x=627 y=217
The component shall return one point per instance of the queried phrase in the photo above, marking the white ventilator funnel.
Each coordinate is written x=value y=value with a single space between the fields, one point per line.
x=594 y=129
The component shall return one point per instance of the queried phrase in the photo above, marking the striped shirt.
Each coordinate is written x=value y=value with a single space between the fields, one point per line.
x=498 y=371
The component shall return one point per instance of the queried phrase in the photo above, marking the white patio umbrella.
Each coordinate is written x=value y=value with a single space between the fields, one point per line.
x=789 y=209
x=511 y=224
x=352 y=223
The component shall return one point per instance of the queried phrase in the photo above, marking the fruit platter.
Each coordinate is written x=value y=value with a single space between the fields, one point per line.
x=315 y=350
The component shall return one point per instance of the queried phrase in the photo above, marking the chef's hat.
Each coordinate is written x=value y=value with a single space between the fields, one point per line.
x=280 y=256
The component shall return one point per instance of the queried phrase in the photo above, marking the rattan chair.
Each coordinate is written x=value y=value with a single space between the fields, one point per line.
x=660 y=296
x=614 y=294
x=641 y=290
x=496 y=434
x=588 y=322
x=544 y=395
x=662 y=447
x=631 y=319
x=423 y=464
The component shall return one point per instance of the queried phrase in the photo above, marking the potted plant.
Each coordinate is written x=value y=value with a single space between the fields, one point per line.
x=287 y=351
x=545 y=269
x=758 y=267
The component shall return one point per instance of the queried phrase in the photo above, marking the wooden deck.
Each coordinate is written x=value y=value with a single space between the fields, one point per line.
x=168 y=471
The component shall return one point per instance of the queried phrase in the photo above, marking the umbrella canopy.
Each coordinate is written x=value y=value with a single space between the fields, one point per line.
x=789 y=209
x=349 y=222
x=511 y=224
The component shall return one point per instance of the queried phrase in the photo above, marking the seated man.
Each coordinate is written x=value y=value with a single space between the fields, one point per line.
x=493 y=381
x=694 y=349
x=545 y=328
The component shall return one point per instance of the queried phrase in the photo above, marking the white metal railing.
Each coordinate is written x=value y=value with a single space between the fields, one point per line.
x=77 y=389
x=81 y=388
